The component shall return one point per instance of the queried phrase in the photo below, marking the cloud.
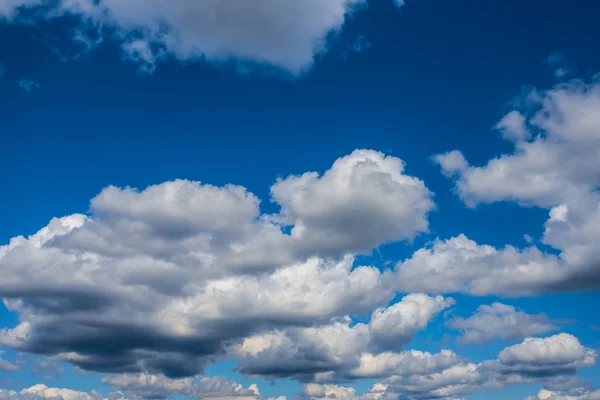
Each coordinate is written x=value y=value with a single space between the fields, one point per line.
x=147 y=386
x=554 y=165
x=339 y=350
x=7 y=365
x=354 y=206
x=500 y=321
x=393 y=327
x=557 y=165
x=28 y=85
x=549 y=395
x=286 y=35
x=166 y=279
x=462 y=265
x=556 y=355
x=40 y=392
x=559 y=63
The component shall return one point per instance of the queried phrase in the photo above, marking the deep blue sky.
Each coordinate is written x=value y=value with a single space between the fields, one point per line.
x=436 y=75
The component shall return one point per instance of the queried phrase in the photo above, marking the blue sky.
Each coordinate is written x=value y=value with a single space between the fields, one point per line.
x=454 y=146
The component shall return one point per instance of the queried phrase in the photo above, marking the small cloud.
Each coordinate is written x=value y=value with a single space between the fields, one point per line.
x=28 y=85
x=560 y=65
x=528 y=238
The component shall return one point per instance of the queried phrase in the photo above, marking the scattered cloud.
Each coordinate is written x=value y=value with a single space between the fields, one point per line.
x=558 y=61
x=28 y=85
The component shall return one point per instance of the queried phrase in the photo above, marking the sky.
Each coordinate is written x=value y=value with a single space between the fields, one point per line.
x=294 y=200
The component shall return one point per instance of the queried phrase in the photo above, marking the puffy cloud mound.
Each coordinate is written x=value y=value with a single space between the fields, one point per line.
x=165 y=279
x=287 y=35
x=500 y=321
x=549 y=395
x=339 y=351
x=557 y=139
x=555 y=165
x=394 y=326
x=542 y=357
x=156 y=386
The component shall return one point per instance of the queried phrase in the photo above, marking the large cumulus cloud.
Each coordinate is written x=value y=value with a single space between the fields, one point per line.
x=164 y=279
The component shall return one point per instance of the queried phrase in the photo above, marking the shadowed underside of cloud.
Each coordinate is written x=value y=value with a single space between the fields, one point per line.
x=284 y=34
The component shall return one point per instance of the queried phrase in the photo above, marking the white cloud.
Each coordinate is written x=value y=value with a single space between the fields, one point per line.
x=156 y=386
x=557 y=165
x=339 y=349
x=394 y=326
x=500 y=321
x=461 y=265
x=167 y=277
x=549 y=395
x=555 y=168
x=355 y=205
x=287 y=35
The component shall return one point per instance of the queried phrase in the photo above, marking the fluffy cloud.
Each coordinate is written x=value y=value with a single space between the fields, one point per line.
x=316 y=391
x=41 y=392
x=549 y=395
x=163 y=280
x=339 y=351
x=287 y=35
x=354 y=206
x=557 y=165
x=554 y=165
x=395 y=326
x=148 y=386
x=461 y=265
x=500 y=321
x=542 y=358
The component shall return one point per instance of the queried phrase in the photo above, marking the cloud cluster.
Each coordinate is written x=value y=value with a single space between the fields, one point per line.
x=287 y=35
x=165 y=279
x=500 y=321
x=341 y=350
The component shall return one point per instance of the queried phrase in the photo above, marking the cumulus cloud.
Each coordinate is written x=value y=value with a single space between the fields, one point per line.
x=164 y=279
x=462 y=265
x=40 y=392
x=557 y=165
x=338 y=351
x=554 y=165
x=394 y=326
x=354 y=206
x=149 y=386
x=500 y=321
x=550 y=395
x=287 y=35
